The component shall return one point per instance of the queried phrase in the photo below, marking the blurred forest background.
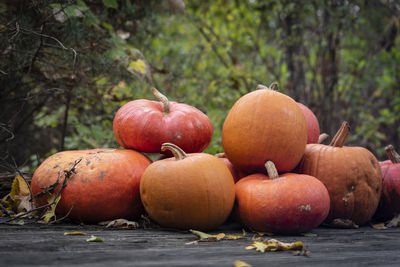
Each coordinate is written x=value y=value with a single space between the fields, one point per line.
x=67 y=66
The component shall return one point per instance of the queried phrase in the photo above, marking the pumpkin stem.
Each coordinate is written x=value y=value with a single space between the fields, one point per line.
x=322 y=137
x=162 y=98
x=392 y=154
x=274 y=86
x=341 y=136
x=271 y=169
x=220 y=155
x=261 y=87
x=178 y=153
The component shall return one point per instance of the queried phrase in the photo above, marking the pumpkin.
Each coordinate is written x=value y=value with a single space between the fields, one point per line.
x=188 y=191
x=264 y=125
x=351 y=174
x=287 y=204
x=104 y=184
x=312 y=124
x=390 y=200
x=236 y=173
x=145 y=125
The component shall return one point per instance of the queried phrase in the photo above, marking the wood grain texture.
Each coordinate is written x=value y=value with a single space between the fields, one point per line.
x=45 y=245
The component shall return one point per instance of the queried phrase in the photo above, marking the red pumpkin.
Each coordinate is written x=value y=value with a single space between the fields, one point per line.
x=389 y=204
x=236 y=173
x=312 y=124
x=287 y=204
x=104 y=184
x=145 y=125
x=188 y=191
x=264 y=125
x=351 y=174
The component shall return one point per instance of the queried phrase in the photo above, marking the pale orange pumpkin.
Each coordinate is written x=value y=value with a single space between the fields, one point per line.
x=188 y=191
x=264 y=125
x=351 y=174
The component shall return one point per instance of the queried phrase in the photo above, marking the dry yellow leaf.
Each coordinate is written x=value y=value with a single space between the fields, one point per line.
x=238 y=263
x=275 y=245
x=51 y=211
x=75 y=233
x=204 y=237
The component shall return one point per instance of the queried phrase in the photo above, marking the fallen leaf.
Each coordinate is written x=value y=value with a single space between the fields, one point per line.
x=75 y=233
x=379 y=226
x=121 y=223
x=204 y=237
x=19 y=222
x=50 y=212
x=238 y=263
x=395 y=222
x=275 y=245
x=94 y=239
x=234 y=237
x=18 y=200
x=310 y=234
x=343 y=223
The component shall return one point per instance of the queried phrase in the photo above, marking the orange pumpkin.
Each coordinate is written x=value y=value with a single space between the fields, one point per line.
x=351 y=174
x=264 y=125
x=103 y=186
x=188 y=191
x=287 y=204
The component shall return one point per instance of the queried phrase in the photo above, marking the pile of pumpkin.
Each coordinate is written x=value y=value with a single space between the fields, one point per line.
x=273 y=176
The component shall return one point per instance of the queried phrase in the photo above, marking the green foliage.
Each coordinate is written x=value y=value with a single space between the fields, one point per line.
x=70 y=65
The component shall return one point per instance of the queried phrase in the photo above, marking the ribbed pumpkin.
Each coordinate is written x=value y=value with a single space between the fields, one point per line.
x=351 y=174
x=103 y=186
x=264 y=125
x=389 y=204
x=188 y=191
x=287 y=204
x=145 y=125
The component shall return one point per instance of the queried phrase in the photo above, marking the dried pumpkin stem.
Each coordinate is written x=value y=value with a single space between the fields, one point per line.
x=271 y=169
x=220 y=155
x=322 y=137
x=162 y=98
x=392 y=154
x=178 y=153
x=341 y=136
x=273 y=86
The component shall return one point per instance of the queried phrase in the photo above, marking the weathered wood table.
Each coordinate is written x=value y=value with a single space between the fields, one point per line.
x=35 y=244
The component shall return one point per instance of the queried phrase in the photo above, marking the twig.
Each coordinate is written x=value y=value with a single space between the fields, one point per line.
x=6 y=211
x=67 y=175
x=8 y=131
x=62 y=218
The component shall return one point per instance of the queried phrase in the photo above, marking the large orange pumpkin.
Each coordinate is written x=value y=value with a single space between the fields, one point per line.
x=188 y=191
x=287 y=204
x=145 y=125
x=103 y=186
x=351 y=174
x=264 y=125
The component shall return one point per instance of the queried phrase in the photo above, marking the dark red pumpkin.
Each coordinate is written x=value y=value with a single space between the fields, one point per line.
x=145 y=125
x=312 y=124
x=389 y=204
x=103 y=186
x=287 y=204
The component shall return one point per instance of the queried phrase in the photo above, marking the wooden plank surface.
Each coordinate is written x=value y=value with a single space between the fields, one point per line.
x=35 y=244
